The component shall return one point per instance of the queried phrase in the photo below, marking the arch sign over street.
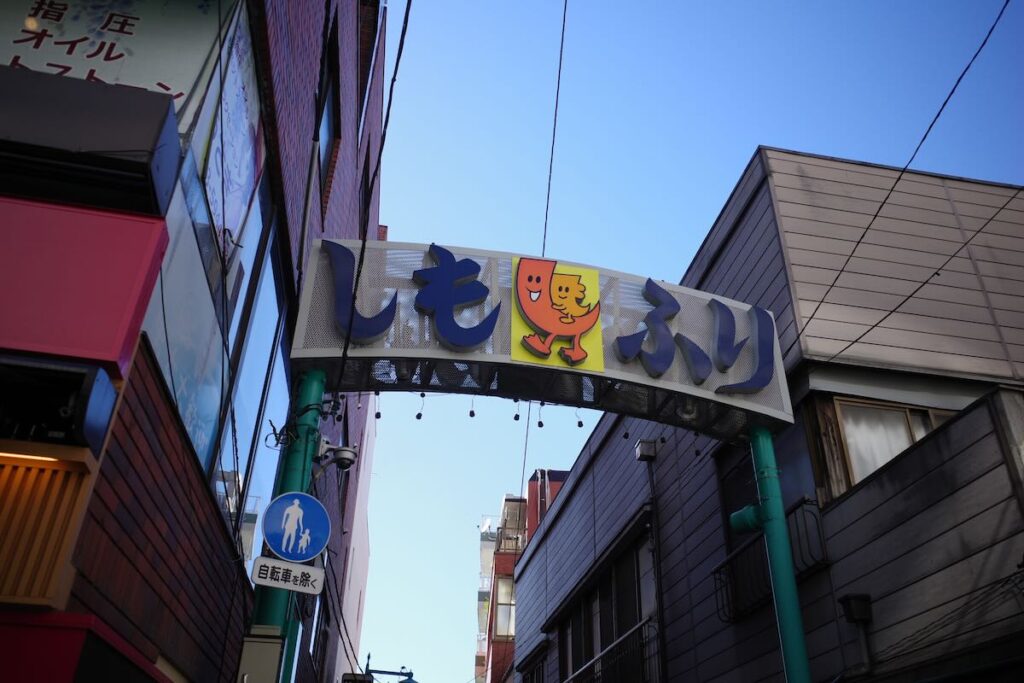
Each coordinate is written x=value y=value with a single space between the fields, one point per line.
x=455 y=320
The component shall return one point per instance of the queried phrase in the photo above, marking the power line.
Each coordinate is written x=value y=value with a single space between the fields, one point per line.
x=921 y=286
x=899 y=176
x=364 y=227
x=526 y=445
x=547 y=207
x=330 y=581
x=364 y=230
x=554 y=129
x=340 y=625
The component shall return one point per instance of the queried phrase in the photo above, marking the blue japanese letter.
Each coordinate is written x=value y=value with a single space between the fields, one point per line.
x=630 y=346
x=449 y=285
x=363 y=330
x=726 y=349
x=764 y=356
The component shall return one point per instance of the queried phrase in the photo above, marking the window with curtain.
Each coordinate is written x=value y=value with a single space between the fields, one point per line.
x=853 y=437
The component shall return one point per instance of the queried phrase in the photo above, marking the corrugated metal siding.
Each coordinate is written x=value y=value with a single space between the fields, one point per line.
x=741 y=258
x=969 y=319
x=925 y=537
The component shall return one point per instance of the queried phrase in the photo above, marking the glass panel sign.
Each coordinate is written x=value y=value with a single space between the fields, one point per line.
x=151 y=44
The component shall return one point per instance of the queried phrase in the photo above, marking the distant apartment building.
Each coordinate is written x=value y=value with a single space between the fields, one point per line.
x=903 y=340
x=500 y=548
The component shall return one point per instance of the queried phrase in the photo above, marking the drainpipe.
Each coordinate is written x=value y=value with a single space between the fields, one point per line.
x=660 y=596
x=770 y=517
x=271 y=604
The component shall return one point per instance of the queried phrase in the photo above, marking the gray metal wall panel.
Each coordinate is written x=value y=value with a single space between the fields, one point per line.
x=924 y=535
x=823 y=207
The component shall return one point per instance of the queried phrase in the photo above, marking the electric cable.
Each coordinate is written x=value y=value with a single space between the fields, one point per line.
x=364 y=227
x=526 y=446
x=336 y=601
x=364 y=235
x=899 y=176
x=554 y=129
x=547 y=207
x=921 y=286
x=330 y=584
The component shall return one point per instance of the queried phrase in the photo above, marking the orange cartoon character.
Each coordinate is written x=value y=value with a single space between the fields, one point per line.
x=552 y=304
x=567 y=295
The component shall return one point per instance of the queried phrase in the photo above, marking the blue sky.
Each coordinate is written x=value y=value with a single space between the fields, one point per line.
x=662 y=106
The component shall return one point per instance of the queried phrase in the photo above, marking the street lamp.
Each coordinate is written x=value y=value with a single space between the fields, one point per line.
x=403 y=673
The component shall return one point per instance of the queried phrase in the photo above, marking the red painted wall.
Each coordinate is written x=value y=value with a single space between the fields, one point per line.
x=75 y=282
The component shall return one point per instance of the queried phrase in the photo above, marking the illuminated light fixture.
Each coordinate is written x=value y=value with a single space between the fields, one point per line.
x=28 y=457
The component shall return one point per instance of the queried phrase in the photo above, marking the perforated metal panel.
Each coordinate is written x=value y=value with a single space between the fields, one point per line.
x=409 y=356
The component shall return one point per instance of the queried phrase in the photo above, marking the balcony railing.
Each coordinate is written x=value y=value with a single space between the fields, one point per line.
x=633 y=658
x=510 y=540
x=742 y=581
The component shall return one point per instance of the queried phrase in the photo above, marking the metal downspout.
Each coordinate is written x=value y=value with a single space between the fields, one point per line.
x=772 y=517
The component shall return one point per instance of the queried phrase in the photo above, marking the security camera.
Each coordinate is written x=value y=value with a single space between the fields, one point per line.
x=342 y=456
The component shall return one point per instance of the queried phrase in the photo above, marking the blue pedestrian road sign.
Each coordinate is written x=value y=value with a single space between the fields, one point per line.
x=296 y=527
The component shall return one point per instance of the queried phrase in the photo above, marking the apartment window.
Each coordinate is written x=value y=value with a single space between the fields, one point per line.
x=859 y=436
x=320 y=635
x=327 y=133
x=621 y=599
x=535 y=674
x=329 y=125
x=505 y=609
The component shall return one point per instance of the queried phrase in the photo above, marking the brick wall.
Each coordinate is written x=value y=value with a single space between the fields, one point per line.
x=154 y=557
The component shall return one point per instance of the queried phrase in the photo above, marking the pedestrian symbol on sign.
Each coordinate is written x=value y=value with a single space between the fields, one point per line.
x=292 y=518
x=296 y=527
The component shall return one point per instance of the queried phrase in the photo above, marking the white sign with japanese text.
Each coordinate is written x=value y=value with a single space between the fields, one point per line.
x=267 y=571
x=458 y=320
x=151 y=44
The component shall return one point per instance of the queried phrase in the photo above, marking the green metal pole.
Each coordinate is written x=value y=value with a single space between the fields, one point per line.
x=780 y=558
x=271 y=604
x=291 y=644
